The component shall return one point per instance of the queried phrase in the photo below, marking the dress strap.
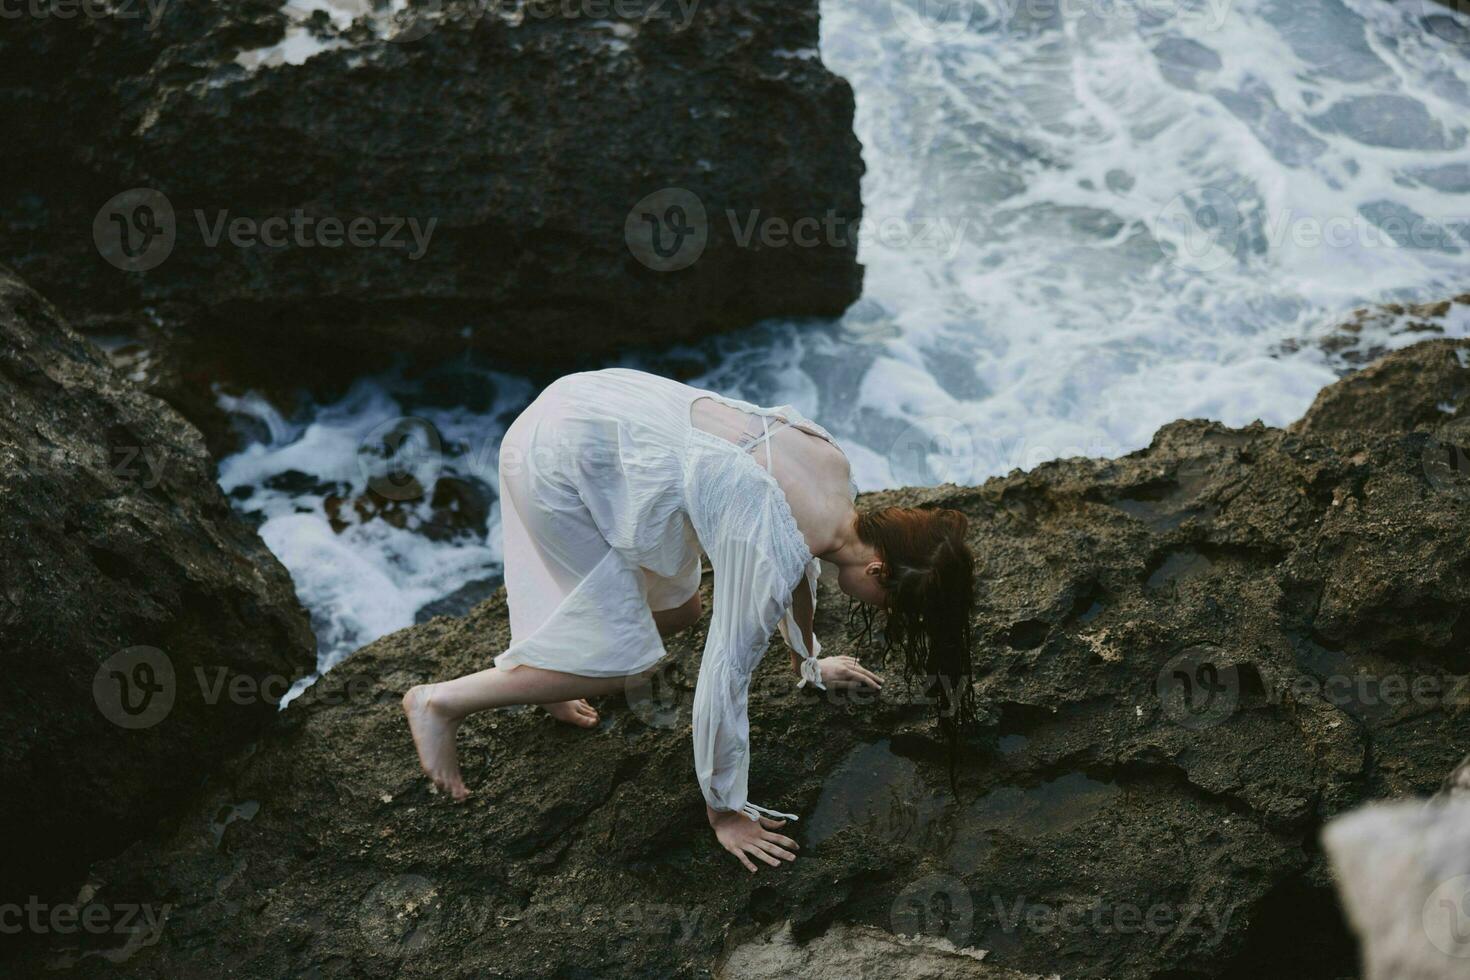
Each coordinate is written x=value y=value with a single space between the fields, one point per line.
x=765 y=437
x=756 y=812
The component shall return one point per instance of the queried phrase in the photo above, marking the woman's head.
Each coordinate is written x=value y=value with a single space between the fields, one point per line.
x=922 y=582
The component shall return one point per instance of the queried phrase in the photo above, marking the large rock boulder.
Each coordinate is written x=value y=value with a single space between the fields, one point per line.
x=497 y=158
x=139 y=616
x=1193 y=657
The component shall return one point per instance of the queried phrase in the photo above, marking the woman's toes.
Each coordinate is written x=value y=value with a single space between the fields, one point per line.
x=577 y=712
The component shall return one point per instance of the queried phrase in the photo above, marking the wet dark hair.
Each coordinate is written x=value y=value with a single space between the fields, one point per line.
x=929 y=584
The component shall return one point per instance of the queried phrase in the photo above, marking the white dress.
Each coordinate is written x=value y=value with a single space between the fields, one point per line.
x=608 y=495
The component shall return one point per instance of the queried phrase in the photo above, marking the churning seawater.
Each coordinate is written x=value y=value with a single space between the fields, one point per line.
x=1085 y=218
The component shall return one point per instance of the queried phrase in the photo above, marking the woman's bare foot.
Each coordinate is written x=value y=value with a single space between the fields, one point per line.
x=577 y=712
x=433 y=736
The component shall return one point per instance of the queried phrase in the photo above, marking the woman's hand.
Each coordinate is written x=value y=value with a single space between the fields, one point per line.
x=846 y=672
x=743 y=836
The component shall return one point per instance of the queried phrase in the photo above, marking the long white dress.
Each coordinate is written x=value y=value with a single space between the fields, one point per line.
x=608 y=495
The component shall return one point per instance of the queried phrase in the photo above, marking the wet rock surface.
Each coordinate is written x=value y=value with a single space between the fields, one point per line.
x=139 y=615
x=856 y=951
x=1191 y=658
x=497 y=153
x=1372 y=331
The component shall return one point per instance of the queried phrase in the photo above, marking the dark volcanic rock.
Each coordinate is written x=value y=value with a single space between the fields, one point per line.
x=122 y=572
x=1395 y=394
x=1192 y=657
x=1372 y=331
x=526 y=140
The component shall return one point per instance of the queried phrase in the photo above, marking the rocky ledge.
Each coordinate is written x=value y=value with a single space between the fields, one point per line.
x=317 y=184
x=145 y=629
x=1192 y=658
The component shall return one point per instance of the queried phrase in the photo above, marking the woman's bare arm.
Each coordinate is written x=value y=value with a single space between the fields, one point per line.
x=802 y=610
x=839 y=672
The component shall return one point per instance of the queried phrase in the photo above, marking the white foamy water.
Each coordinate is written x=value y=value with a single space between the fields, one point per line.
x=366 y=563
x=1086 y=219
x=300 y=43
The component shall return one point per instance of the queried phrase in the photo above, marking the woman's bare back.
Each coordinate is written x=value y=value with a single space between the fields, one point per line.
x=813 y=473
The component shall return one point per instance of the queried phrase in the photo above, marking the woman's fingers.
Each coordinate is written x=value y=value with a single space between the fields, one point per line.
x=771 y=847
x=783 y=841
x=743 y=859
x=858 y=677
x=754 y=847
x=862 y=675
x=770 y=824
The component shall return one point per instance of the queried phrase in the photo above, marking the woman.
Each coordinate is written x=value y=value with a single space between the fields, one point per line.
x=612 y=483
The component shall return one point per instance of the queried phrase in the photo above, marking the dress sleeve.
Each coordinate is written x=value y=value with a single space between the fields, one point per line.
x=756 y=566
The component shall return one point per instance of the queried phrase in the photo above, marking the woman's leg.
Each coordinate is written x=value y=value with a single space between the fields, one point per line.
x=669 y=621
x=435 y=710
